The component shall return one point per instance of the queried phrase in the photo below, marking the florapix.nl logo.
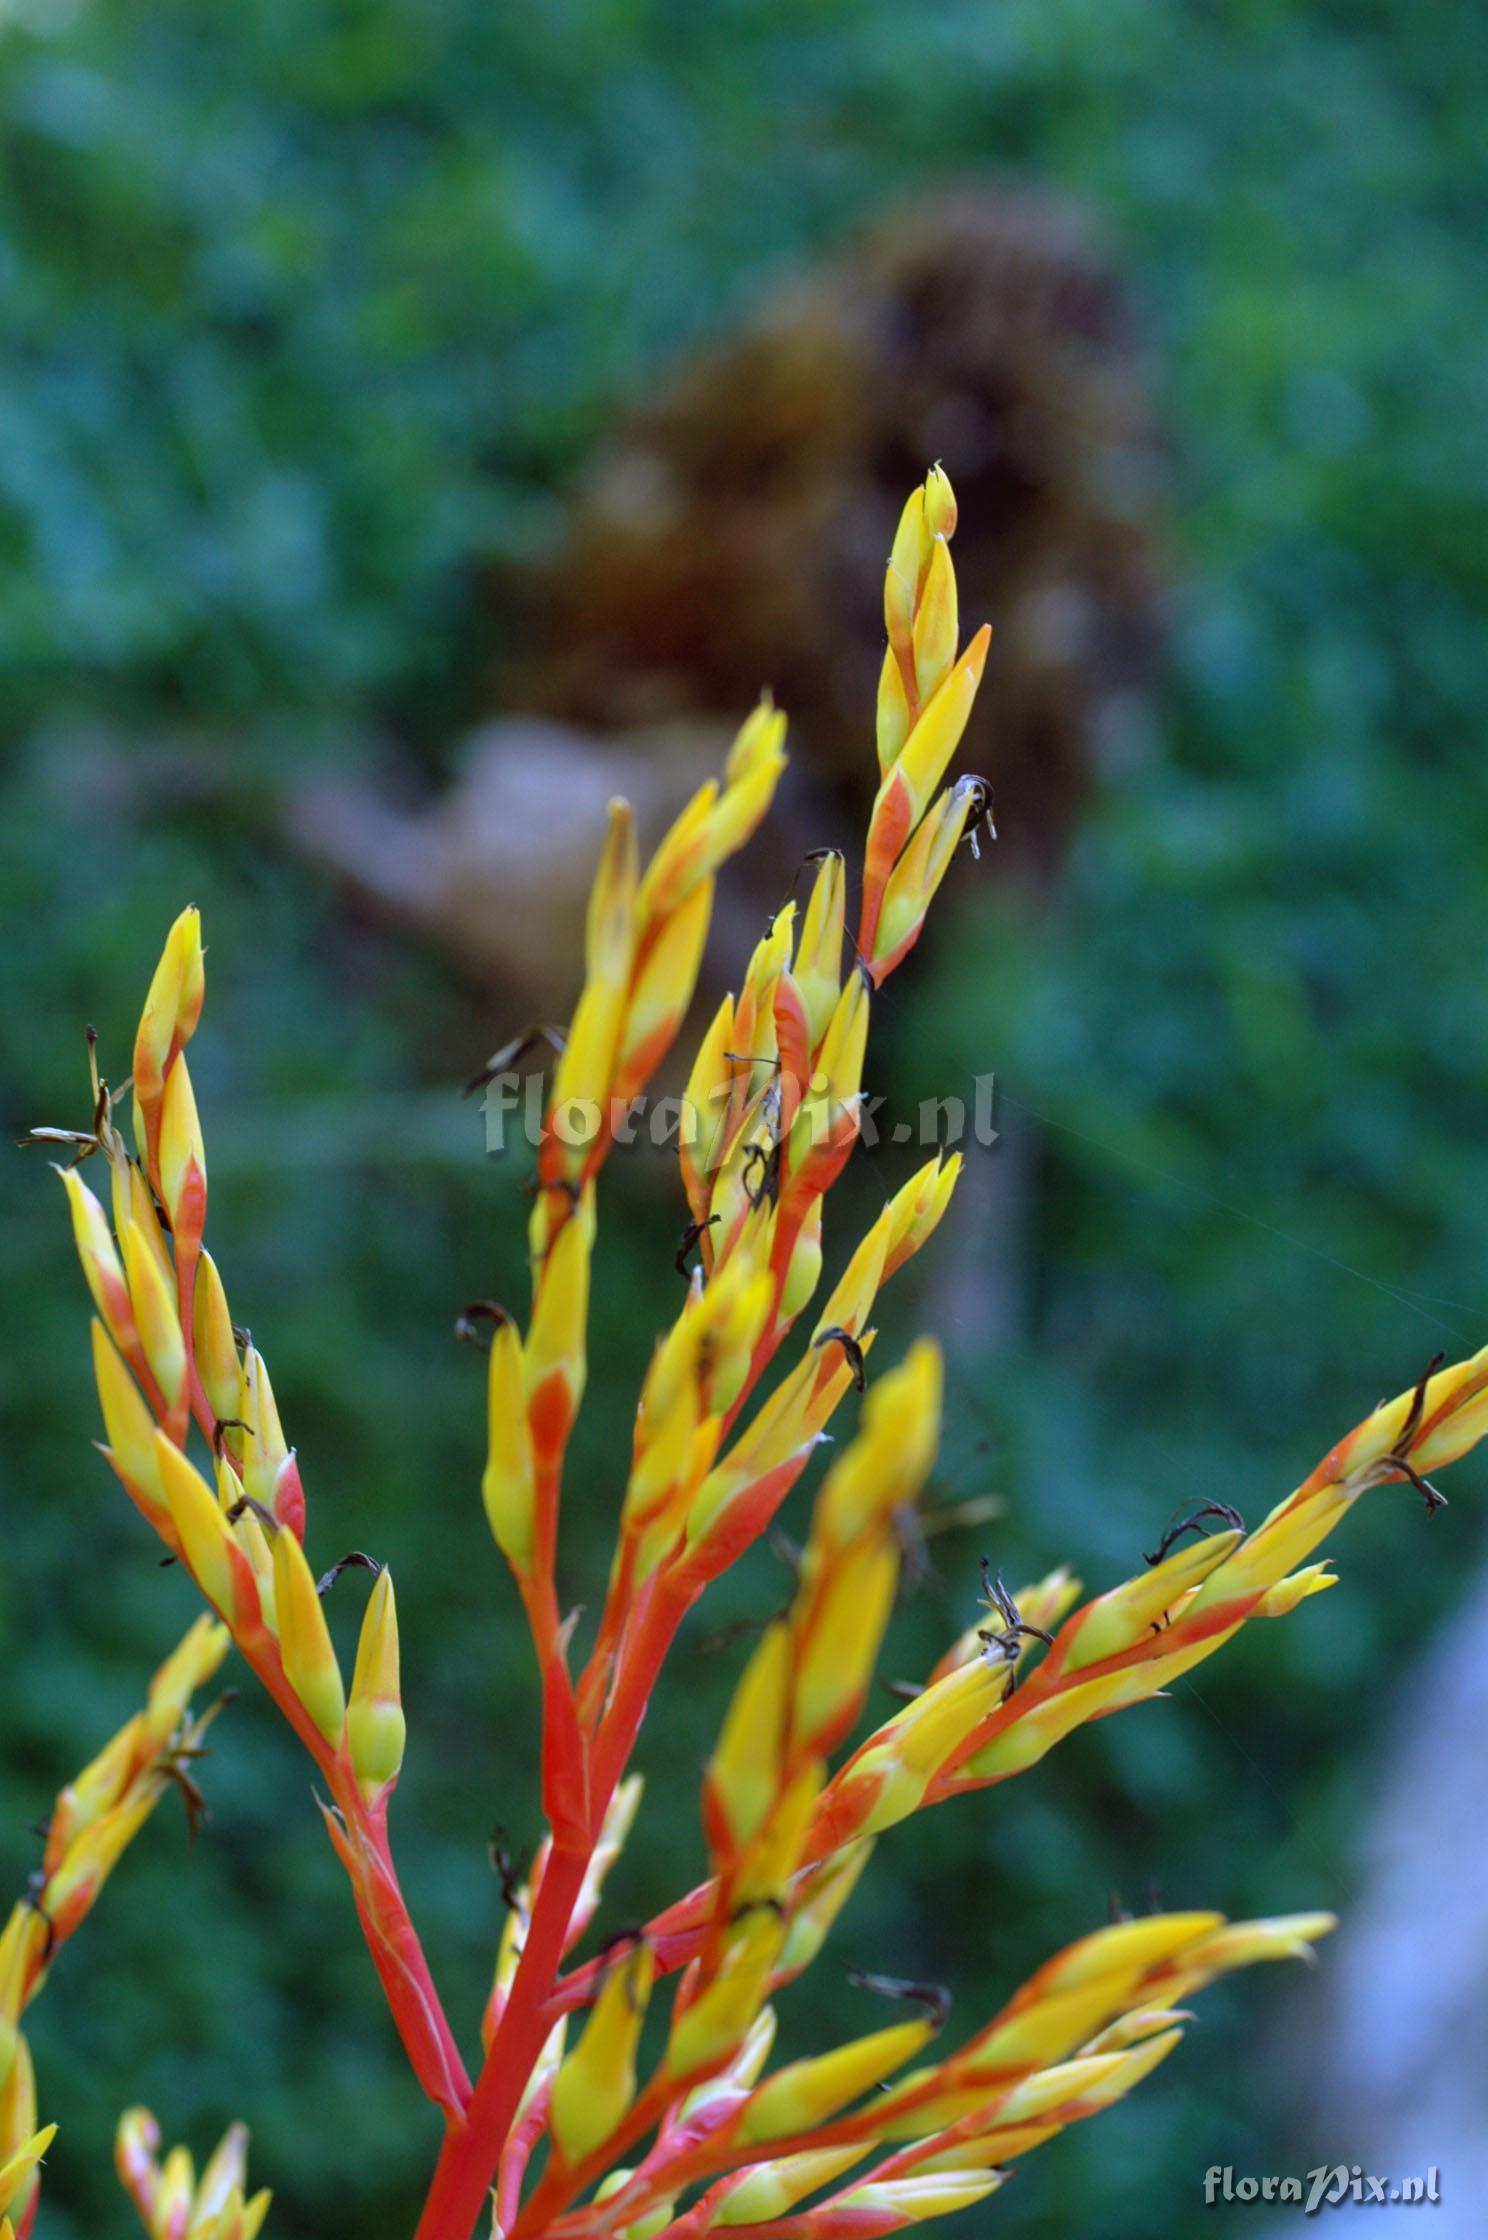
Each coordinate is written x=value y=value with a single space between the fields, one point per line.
x=515 y=1110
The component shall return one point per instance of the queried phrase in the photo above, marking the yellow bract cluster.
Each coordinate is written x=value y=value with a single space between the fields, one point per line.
x=1089 y=2026
x=94 y=1819
x=174 y=2204
x=967 y=1730
x=170 y=1364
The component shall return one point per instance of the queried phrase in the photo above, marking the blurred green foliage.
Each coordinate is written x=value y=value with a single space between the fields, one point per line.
x=309 y=310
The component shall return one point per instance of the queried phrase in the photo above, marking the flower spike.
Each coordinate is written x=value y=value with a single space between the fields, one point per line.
x=630 y=2094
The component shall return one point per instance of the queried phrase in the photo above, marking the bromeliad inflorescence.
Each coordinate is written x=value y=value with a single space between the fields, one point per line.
x=565 y=2130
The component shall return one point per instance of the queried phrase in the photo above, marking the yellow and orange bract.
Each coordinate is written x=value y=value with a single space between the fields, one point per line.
x=93 y=1821
x=174 y=2204
x=565 y=2128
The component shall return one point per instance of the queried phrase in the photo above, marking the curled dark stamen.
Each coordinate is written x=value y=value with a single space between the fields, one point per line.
x=812 y=855
x=223 y=1424
x=934 y=1997
x=745 y=1058
x=768 y=1158
x=245 y=1505
x=1432 y=1495
x=979 y=813
x=34 y=1888
x=511 y=1881
x=1398 y=1458
x=83 y=1145
x=197 y=1812
x=564 y=1184
x=354 y=1561
x=776 y=1906
x=1406 y=1440
x=690 y=1237
x=630 y=1934
x=852 y=1349
x=609 y=1956
x=519 y=1047
x=1194 y=1522
x=1007 y=1639
x=480 y=1313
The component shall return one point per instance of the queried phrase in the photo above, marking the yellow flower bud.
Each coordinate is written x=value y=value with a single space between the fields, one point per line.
x=183 y=1156
x=172 y=1008
x=96 y=1790
x=813 y=1915
x=376 y=1730
x=743 y=1773
x=1239 y=1944
x=886 y=1465
x=893 y=715
x=509 y=1481
x=156 y=1319
x=936 y=624
x=269 y=1471
x=662 y=990
x=310 y=1664
x=1115 y=1621
x=223 y=2176
x=804 y=1272
x=17 y=2174
x=17 y=2096
x=804 y=2094
x=194 y=1660
x=726 y=2009
x=174 y=2189
x=702 y=1133
x=842 y=1643
x=586 y=1070
x=204 y=1533
x=915 y=1211
x=940 y=504
x=916 y=2199
x=555 y=1358
x=906 y=567
x=937 y=732
x=818 y=962
x=101 y=1264
x=845 y=1043
x=770 y=2188
x=1279 y=1601
x=896 y=1766
x=596 y=2084
x=133 y=1202
x=752 y=772
x=127 y=1422
x=1031 y=1734
x=916 y=877
x=215 y=1347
